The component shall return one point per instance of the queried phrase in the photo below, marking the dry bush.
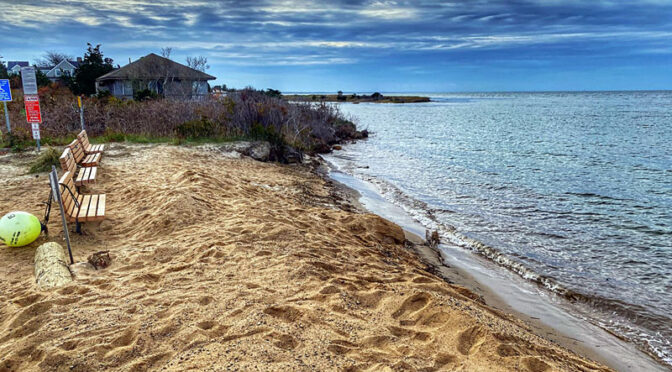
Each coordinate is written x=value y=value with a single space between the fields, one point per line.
x=307 y=126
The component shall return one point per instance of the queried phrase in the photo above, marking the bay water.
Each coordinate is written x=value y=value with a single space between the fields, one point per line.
x=571 y=190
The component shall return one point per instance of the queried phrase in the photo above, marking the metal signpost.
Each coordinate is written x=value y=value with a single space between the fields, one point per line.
x=6 y=96
x=55 y=192
x=31 y=101
x=81 y=111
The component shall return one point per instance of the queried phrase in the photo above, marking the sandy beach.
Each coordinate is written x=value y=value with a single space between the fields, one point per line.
x=221 y=263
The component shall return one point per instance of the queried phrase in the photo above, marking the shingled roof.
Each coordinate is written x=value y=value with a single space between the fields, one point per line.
x=151 y=67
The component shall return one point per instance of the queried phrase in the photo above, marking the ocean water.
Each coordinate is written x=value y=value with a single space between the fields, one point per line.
x=570 y=190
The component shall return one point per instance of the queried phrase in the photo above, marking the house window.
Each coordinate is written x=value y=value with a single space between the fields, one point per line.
x=58 y=72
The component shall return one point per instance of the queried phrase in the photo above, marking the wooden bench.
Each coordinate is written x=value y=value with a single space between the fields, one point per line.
x=79 y=207
x=83 y=138
x=80 y=157
x=86 y=175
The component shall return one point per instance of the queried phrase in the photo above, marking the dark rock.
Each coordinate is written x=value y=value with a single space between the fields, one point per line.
x=322 y=148
x=292 y=155
x=238 y=147
x=260 y=151
x=337 y=147
x=364 y=133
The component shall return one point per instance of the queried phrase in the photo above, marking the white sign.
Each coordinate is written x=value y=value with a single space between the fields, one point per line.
x=29 y=80
x=36 y=131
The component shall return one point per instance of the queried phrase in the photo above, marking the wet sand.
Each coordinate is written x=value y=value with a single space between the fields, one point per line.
x=547 y=315
x=232 y=264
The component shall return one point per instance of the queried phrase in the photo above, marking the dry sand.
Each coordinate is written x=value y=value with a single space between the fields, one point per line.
x=232 y=264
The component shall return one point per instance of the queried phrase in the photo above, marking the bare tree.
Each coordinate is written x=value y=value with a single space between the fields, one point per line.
x=165 y=52
x=52 y=58
x=199 y=63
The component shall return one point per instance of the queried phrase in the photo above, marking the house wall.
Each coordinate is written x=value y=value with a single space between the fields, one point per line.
x=64 y=68
x=118 y=88
x=172 y=89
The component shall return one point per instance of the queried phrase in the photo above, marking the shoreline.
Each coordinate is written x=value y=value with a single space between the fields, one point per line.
x=236 y=263
x=558 y=327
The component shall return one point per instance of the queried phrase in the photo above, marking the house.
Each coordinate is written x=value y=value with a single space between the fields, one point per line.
x=14 y=67
x=157 y=74
x=63 y=68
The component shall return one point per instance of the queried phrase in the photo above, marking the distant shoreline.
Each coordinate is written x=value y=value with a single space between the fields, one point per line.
x=354 y=98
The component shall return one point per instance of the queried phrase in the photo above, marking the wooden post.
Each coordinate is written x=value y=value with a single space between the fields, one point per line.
x=51 y=266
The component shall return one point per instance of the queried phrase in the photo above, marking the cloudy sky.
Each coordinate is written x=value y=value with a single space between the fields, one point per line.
x=357 y=45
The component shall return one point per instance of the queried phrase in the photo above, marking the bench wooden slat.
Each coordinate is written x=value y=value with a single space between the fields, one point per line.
x=91 y=160
x=79 y=181
x=88 y=148
x=92 y=209
x=97 y=148
x=83 y=208
x=72 y=208
x=92 y=174
x=100 y=212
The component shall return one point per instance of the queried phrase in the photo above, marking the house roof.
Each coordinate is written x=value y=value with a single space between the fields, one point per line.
x=11 y=64
x=153 y=66
x=60 y=65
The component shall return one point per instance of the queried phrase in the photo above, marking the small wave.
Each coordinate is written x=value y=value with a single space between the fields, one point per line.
x=629 y=321
x=593 y=195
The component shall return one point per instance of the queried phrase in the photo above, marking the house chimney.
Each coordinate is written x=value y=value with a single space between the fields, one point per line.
x=79 y=59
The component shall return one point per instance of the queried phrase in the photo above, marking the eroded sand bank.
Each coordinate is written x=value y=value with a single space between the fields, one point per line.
x=225 y=264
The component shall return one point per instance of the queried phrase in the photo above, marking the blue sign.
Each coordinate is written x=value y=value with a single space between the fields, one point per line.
x=5 y=91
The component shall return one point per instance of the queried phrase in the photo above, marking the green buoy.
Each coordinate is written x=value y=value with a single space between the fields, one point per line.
x=19 y=228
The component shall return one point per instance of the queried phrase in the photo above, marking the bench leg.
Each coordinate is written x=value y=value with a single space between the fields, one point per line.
x=79 y=228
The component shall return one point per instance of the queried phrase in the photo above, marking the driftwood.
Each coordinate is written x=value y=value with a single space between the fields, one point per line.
x=51 y=266
x=100 y=260
x=432 y=239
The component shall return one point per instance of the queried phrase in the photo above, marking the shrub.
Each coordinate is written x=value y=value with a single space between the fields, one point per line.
x=198 y=128
x=46 y=159
x=144 y=95
x=260 y=132
x=246 y=113
x=20 y=139
x=273 y=93
x=112 y=136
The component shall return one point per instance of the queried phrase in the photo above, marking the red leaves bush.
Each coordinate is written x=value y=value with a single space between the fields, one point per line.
x=306 y=126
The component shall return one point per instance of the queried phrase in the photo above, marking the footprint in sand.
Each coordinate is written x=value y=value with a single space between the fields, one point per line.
x=470 y=339
x=535 y=365
x=286 y=313
x=412 y=304
x=341 y=347
x=507 y=350
x=284 y=341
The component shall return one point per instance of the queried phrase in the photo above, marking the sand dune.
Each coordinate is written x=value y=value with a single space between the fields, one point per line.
x=228 y=264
